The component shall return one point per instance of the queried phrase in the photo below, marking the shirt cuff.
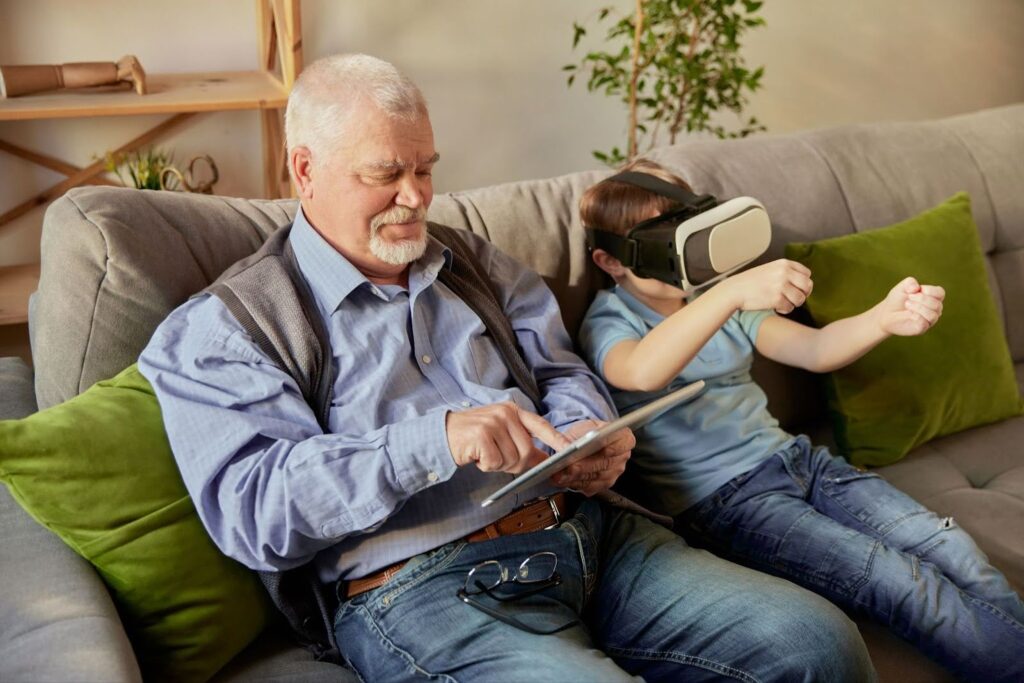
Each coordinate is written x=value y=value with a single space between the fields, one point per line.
x=419 y=452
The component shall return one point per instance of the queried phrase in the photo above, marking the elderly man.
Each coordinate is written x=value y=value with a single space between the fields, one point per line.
x=426 y=419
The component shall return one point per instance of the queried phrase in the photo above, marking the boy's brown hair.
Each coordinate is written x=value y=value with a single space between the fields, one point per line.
x=617 y=207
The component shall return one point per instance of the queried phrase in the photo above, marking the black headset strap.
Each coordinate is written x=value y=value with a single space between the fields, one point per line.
x=625 y=249
x=622 y=248
x=664 y=188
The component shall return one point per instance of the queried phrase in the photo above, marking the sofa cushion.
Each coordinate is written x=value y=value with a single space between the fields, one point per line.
x=976 y=477
x=52 y=597
x=98 y=471
x=908 y=390
x=274 y=657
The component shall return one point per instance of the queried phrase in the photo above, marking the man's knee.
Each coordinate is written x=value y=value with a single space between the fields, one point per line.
x=819 y=642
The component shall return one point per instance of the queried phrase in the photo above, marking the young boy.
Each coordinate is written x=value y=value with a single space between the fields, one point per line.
x=737 y=483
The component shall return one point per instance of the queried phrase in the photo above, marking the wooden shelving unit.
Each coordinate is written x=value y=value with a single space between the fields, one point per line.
x=183 y=95
x=166 y=94
x=16 y=284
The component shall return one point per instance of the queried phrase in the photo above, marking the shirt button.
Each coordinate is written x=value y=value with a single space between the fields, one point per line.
x=466 y=404
x=426 y=359
x=432 y=477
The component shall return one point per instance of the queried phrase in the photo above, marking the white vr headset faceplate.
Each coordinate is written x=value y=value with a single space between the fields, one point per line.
x=740 y=231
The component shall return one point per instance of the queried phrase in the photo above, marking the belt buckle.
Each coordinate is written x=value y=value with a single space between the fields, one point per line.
x=554 y=510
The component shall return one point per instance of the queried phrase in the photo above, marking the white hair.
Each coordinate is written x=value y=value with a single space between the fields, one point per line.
x=329 y=89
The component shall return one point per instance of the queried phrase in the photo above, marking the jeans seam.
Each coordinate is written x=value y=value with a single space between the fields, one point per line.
x=389 y=645
x=588 y=577
x=389 y=597
x=787 y=464
x=881 y=530
x=655 y=655
x=994 y=610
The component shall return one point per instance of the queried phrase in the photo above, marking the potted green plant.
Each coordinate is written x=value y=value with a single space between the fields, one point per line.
x=674 y=63
x=141 y=170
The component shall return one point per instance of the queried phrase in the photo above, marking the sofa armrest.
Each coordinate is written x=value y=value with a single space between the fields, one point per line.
x=57 y=621
x=17 y=397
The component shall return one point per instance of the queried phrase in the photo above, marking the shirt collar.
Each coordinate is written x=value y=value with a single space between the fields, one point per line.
x=332 y=277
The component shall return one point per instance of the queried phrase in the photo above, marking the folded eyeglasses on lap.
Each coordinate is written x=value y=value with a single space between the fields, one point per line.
x=535 y=574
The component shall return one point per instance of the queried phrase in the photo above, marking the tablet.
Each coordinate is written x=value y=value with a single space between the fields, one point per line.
x=592 y=442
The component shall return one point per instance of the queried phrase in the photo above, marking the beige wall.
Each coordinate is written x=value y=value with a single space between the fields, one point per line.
x=491 y=71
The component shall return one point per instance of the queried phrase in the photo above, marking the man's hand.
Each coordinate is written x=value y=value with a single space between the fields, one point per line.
x=910 y=308
x=781 y=285
x=599 y=471
x=499 y=438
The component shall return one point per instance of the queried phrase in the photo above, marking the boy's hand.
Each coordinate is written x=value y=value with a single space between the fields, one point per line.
x=601 y=470
x=781 y=285
x=910 y=308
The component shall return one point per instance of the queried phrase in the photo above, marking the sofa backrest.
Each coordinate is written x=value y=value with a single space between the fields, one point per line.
x=116 y=261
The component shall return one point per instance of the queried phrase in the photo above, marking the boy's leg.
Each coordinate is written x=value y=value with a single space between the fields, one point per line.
x=668 y=612
x=867 y=502
x=415 y=627
x=770 y=521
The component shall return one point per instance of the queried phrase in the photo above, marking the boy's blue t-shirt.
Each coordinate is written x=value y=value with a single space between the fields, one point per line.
x=686 y=453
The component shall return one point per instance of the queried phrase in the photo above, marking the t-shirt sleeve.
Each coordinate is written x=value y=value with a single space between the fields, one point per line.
x=750 y=322
x=607 y=323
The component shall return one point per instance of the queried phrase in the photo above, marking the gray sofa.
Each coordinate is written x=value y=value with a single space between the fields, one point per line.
x=114 y=262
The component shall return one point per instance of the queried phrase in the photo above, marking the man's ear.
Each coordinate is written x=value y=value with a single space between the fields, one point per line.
x=300 y=162
x=608 y=263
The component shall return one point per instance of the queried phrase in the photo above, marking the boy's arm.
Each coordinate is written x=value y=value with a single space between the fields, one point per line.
x=651 y=363
x=909 y=309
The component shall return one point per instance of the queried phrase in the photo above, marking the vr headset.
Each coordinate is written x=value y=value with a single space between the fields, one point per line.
x=692 y=246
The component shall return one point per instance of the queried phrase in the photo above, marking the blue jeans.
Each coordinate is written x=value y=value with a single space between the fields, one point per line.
x=849 y=535
x=651 y=607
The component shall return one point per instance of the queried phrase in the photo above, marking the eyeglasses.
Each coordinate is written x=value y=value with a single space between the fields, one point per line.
x=536 y=573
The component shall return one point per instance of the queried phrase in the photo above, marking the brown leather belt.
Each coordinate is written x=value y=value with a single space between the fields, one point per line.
x=541 y=514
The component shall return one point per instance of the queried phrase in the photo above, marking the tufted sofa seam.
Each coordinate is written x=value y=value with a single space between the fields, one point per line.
x=99 y=289
x=988 y=191
x=835 y=176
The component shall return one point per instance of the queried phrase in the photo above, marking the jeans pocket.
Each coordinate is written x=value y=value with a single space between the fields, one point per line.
x=857 y=475
x=418 y=570
x=581 y=533
x=824 y=554
x=867 y=501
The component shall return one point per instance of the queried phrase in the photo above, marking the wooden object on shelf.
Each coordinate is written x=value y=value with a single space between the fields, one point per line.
x=16 y=284
x=17 y=80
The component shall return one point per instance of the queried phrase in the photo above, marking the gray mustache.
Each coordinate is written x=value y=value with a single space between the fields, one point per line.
x=397 y=214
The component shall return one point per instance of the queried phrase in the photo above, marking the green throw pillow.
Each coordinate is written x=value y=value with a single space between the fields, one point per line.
x=908 y=390
x=98 y=471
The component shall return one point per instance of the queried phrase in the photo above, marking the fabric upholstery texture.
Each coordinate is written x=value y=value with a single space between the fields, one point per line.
x=908 y=390
x=57 y=621
x=97 y=471
x=115 y=262
x=18 y=397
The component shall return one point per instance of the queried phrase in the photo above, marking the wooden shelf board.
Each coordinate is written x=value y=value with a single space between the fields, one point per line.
x=167 y=93
x=16 y=283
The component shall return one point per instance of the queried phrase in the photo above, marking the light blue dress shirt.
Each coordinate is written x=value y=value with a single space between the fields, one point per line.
x=687 y=452
x=275 y=492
